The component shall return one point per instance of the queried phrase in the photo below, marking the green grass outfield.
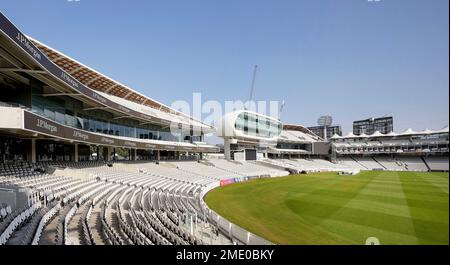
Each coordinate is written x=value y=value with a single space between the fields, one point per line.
x=325 y=208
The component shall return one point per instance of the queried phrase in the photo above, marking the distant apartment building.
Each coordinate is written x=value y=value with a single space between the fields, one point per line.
x=329 y=130
x=369 y=126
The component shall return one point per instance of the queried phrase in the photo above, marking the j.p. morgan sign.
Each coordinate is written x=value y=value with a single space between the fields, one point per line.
x=42 y=125
x=14 y=34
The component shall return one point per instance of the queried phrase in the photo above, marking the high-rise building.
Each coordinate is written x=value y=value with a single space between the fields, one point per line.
x=369 y=126
x=330 y=131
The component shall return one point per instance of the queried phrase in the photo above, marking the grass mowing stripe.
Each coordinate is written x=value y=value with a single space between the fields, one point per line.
x=428 y=232
x=254 y=206
x=374 y=219
x=326 y=208
x=360 y=232
x=441 y=185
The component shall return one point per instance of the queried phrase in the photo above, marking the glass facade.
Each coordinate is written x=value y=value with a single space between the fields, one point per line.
x=70 y=112
x=257 y=125
x=331 y=130
x=294 y=146
x=13 y=149
x=384 y=125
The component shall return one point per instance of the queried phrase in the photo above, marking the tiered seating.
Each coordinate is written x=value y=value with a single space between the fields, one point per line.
x=148 y=203
x=414 y=163
x=368 y=162
x=129 y=203
x=205 y=170
x=315 y=165
x=281 y=164
x=245 y=168
x=437 y=163
x=322 y=163
x=20 y=169
x=390 y=163
x=392 y=146
x=64 y=164
x=4 y=211
x=350 y=162
x=9 y=225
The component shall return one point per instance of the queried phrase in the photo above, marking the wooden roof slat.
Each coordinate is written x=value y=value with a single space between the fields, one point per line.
x=83 y=75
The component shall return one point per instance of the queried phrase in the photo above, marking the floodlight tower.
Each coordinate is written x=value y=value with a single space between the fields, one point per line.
x=325 y=121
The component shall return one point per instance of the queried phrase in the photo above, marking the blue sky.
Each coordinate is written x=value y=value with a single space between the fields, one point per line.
x=351 y=59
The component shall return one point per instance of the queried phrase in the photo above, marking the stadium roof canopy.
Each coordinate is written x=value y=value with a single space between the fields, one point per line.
x=24 y=60
x=426 y=131
x=114 y=90
x=350 y=135
x=377 y=134
x=297 y=129
x=408 y=131
x=391 y=134
x=363 y=135
x=336 y=136
x=443 y=130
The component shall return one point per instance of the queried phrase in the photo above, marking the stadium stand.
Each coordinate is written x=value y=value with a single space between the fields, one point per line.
x=437 y=163
x=369 y=163
x=245 y=168
x=61 y=183
x=350 y=162
x=311 y=165
x=129 y=203
x=390 y=163
x=414 y=163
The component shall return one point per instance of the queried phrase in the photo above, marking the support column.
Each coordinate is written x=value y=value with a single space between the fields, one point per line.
x=33 y=151
x=158 y=155
x=76 y=153
x=134 y=154
x=108 y=153
x=227 y=148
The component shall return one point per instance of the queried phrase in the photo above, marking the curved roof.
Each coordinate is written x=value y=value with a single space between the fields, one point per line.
x=296 y=127
x=336 y=136
x=350 y=135
x=392 y=134
x=108 y=86
x=426 y=131
x=296 y=137
x=408 y=131
x=95 y=79
x=377 y=134
x=443 y=130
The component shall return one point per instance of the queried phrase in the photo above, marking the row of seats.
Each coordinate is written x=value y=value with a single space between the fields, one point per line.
x=380 y=148
x=246 y=168
x=398 y=163
x=129 y=203
x=310 y=165
x=437 y=163
x=124 y=221
x=25 y=169
x=4 y=211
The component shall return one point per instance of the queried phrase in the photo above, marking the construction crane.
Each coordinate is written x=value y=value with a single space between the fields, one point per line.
x=252 y=87
x=281 y=110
